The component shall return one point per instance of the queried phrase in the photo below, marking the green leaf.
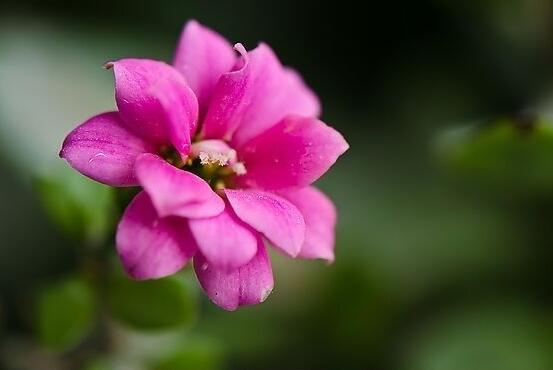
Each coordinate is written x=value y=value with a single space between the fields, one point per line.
x=194 y=354
x=498 y=336
x=98 y=364
x=154 y=304
x=65 y=313
x=511 y=156
x=81 y=207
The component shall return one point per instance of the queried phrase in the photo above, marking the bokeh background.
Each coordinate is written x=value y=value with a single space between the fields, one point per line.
x=444 y=245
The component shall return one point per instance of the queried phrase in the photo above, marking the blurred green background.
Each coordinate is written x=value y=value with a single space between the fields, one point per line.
x=443 y=256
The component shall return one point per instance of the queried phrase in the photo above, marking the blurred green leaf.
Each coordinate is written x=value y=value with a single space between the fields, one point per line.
x=154 y=304
x=65 y=313
x=98 y=364
x=488 y=337
x=194 y=354
x=52 y=80
x=83 y=208
x=511 y=156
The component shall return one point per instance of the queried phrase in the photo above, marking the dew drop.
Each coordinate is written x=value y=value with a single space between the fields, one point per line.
x=96 y=156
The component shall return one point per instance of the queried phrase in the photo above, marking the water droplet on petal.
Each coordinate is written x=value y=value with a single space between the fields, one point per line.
x=96 y=156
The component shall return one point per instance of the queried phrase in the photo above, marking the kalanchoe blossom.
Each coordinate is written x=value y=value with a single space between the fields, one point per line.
x=225 y=145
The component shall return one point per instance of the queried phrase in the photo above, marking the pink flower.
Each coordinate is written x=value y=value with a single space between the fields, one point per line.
x=225 y=147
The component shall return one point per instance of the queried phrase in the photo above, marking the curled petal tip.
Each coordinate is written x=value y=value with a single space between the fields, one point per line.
x=241 y=49
x=108 y=65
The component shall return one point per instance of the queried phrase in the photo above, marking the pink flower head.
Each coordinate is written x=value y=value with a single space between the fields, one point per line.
x=225 y=146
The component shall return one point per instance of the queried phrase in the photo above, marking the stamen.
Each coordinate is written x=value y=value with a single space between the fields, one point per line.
x=212 y=160
x=221 y=159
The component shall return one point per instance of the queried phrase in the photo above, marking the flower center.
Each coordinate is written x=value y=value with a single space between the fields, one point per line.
x=212 y=160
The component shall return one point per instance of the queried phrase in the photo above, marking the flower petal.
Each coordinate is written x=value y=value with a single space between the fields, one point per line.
x=104 y=150
x=288 y=95
x=224 y=240
x=247 y=285
x=304 y=101
x=278 y=219
x=202 y=57
x=151 y=247
x=254 y=97
x=155 y=102
x=319 y=214
x=293 y=153
x=175 y=192
x=180 y=113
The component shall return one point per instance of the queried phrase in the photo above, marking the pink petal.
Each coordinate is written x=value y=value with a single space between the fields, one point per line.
x=254 y=97
x=155 y=102
x=224 y=240
x=319 y=214
x=247 y=285
x=295 y=98
x=306 y=102
x=151 y=247
x=278 y=219
x=175 y=192
x=202 y=57
x=181 y=116
x=102 y=149
x=293 y=153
